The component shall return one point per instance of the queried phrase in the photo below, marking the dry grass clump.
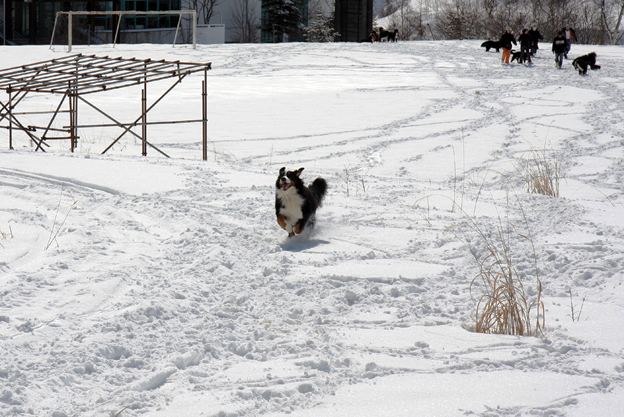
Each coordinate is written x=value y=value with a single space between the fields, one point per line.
x=57 y=228
x=542 y=174
x=6 y=235
x=503 y=307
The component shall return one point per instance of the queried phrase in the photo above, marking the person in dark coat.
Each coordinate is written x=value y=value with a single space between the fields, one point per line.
x=526 y=42
x=559 y=49
x=505 y=42
x=537 y=36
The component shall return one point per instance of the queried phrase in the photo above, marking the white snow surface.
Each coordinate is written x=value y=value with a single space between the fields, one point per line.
x=154 y=286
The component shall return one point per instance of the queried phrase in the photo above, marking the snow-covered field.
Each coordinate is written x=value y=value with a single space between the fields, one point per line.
x=135 y=285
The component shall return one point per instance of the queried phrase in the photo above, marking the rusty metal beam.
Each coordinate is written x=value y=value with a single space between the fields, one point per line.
x=48 y=128
x=92 y=73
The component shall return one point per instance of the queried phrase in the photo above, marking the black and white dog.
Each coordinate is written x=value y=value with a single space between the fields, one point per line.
x=515 y=55
x=296 y=204
x=490 y=45
x=387 y=36
x=582 y=62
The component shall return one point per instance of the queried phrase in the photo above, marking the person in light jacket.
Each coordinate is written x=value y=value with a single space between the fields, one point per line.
x=570 y=36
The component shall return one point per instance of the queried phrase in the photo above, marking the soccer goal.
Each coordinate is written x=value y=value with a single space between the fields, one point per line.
x=69 y=16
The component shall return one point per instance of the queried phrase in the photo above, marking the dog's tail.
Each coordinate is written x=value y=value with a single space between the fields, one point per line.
x=319 y=188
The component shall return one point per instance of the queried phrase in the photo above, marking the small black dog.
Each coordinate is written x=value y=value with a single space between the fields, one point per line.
x=515 y=55
x=491 y=45
x=296 y=204
x=584 y=61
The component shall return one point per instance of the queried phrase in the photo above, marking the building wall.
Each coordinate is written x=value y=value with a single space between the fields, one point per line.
x=353 y=19
x=223 y=14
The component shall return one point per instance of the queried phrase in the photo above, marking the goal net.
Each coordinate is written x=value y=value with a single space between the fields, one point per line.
x=88 y=28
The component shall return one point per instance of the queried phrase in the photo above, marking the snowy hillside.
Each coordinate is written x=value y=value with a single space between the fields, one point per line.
x=148 y=286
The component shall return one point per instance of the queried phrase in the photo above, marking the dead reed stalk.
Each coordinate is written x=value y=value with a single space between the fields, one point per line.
x=503 y=306
x=542 y=174
x=57 y=228
x=6 y=235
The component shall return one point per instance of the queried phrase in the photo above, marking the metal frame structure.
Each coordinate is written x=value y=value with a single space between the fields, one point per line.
x=75 y=76
x=121 y=14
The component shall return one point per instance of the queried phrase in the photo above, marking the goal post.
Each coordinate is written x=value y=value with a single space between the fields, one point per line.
x=179 y=13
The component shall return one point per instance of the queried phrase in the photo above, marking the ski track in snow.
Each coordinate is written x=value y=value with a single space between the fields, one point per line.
x=142 y=298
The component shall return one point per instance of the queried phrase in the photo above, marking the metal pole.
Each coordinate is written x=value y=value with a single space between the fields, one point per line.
x=194 y=29
x=43 y=137
x=204 y=118
x=73 y=116
x=9 y=107
x=144 y=120
x=75 y=134
x=175 y=38
x=117 y=31
x=53 y=29
x=4 y=20
x=129 y=126
x=70 y=25
x=13 y=119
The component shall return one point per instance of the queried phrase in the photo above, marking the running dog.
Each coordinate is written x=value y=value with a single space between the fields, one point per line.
x=582 y=62
x=490 y=45
x=296 y=204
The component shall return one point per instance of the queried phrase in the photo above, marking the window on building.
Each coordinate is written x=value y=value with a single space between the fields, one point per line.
x=131 y=22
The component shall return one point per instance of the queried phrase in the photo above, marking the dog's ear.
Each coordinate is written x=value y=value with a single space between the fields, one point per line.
x=282 y=171
x=299 y=171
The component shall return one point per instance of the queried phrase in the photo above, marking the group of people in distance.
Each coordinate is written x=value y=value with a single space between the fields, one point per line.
x=529 y=41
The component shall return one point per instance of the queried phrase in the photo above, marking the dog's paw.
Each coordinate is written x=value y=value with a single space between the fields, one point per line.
x=282 y=221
